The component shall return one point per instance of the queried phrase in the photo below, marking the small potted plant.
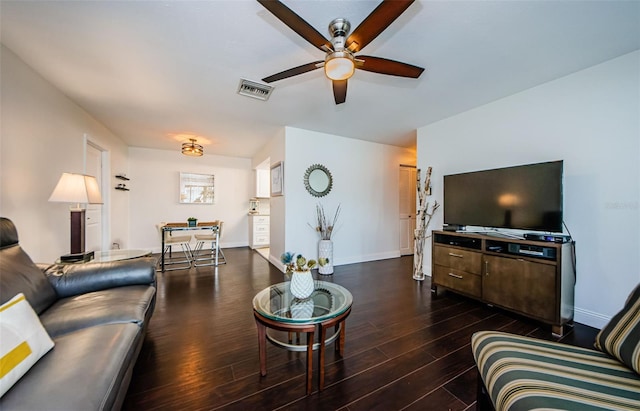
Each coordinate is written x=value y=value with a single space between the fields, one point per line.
x=192 y=221
x=300 y=269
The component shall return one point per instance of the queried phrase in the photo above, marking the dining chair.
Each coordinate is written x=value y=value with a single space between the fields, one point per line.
x=171 y=240
x=207 y=256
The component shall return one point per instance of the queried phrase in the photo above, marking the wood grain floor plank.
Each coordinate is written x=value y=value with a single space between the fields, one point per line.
x=438 y=400
x=463 y=386
x=414 y=384
x=359 y=385
x=404 y=349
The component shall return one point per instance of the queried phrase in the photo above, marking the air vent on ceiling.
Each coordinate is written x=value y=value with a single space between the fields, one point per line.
x=253 y=89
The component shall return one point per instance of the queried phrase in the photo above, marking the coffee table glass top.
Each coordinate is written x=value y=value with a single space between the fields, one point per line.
x=328 y=300
x=117 y=255
x=109 y=255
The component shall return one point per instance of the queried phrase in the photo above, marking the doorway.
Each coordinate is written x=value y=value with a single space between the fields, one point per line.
x=407 y=185
x=95 y=217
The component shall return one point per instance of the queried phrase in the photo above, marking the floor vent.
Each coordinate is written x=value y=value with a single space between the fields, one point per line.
x=256 y=90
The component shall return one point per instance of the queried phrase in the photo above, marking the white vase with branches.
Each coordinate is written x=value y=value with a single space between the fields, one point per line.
x=423 y=218
x=324 y=227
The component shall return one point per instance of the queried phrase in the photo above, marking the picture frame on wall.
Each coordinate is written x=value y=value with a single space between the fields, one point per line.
x=277 y=179
x=197 y=188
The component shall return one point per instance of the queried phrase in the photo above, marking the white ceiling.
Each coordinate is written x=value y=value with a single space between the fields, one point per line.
x=156 y=71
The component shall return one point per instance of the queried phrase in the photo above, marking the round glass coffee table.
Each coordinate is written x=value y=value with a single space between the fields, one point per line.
x=276 y=308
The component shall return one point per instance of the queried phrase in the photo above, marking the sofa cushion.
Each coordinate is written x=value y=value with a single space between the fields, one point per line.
x=522 y=373
x=87 y=370
x=131 y=304
x=74 y=279
x=8 y=233
x=23 y=341
x=21 y=275
x=620 y=338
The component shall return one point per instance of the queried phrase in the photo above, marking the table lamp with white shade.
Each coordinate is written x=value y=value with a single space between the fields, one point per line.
x=79 y=189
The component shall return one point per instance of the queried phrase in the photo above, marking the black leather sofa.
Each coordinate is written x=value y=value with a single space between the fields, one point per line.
x=96 y=314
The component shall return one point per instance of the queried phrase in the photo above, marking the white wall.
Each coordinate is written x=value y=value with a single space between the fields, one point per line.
x=155 y=180
x=589 y=119
x=42 y=135
x=365 y=184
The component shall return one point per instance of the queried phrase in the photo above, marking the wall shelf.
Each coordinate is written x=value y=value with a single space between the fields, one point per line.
x=122 y=186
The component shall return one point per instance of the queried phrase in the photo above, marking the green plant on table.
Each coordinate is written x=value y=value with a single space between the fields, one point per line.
x=297 y=263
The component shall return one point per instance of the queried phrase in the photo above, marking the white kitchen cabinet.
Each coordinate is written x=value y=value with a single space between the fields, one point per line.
x=258 y=231
x=262 y=183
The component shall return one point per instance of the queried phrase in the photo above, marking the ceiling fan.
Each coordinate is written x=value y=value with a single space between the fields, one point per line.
x=340 y=61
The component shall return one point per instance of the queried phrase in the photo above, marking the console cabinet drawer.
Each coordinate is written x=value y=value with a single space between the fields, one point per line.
x=457 y=259
x=258 y=231
x=260 y=240
x=458 y=280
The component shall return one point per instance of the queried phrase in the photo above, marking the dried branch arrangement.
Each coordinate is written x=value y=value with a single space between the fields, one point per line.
x=325 y=225
x=423 y=218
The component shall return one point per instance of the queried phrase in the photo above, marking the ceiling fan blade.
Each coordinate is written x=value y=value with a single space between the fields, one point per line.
x=376 y=23
x=297 y=24
x=340 y=91
x=293 y=71
x=386 y=66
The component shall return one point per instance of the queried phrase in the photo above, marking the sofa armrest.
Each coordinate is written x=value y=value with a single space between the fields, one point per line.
x=42 y=266
x=74 y=279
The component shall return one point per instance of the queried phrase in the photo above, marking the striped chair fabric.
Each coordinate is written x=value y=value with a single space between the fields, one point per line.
x=621 y=337
x=523 y=373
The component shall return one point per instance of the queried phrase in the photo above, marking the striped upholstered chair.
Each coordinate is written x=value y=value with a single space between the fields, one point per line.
x=522 y=373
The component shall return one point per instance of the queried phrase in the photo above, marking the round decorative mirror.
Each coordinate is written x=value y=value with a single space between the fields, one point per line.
x=317 y=180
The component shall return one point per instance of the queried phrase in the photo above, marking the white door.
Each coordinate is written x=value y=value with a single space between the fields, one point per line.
x=93 y=222
x=408 y=177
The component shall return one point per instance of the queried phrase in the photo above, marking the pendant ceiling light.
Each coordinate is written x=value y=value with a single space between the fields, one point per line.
x=192 y=149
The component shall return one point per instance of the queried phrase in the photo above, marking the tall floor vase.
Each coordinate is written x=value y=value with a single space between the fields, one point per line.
x=325 y=250
x=418 y=254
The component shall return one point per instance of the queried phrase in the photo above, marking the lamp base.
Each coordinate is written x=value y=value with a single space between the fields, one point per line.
x=77 y=257
x=77 y=230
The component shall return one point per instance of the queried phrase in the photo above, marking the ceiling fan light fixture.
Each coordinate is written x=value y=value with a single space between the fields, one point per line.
x=339 y=65
x=192 y=149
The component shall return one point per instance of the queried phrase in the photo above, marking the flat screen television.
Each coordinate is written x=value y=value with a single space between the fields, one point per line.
x=527 y=197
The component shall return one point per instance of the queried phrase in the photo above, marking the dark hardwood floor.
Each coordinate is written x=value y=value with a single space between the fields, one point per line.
x=404 y=349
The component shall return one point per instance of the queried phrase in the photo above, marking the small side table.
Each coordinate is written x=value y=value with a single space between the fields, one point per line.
x=328 y=306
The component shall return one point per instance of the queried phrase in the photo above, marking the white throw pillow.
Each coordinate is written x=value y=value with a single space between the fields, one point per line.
x=24 y=341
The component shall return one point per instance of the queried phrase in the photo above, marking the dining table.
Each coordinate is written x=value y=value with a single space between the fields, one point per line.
x=171 y=227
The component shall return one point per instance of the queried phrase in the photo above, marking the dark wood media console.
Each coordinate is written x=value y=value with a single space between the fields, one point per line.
x=532 y=278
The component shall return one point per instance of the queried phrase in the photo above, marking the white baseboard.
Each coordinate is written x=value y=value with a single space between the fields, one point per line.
x=350 y=260
x=157 y=250
x=234 y=244
x=369 y=257
x=276 y=262
x=590 y=318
